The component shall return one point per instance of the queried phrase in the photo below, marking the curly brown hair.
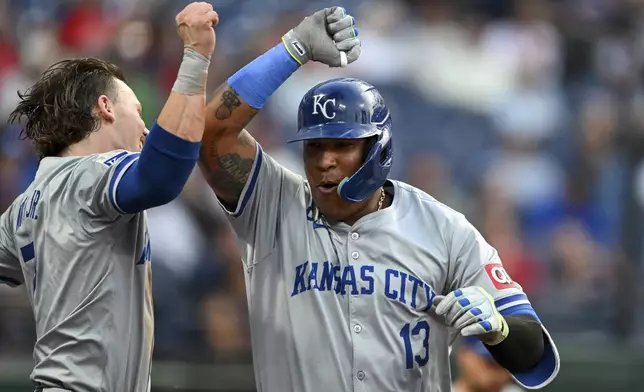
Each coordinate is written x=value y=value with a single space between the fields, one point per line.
x=59 y=109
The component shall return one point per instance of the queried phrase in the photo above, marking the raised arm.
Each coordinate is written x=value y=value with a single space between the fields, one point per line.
x=184 y=111
x=228 y=151
x=158 y=174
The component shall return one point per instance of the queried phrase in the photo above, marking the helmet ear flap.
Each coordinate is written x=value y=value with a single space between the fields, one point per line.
x=387 y=154
x=369 y=143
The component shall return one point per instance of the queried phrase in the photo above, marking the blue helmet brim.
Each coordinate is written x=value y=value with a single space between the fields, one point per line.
x=336 y=131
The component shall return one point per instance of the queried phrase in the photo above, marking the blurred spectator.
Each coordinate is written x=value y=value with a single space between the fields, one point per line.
x=499 y=224
x=530 y=179
x=595 y=191
x=430 y=173
x=479 y=372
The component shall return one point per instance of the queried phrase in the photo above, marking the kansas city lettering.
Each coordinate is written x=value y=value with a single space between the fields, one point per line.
x=360 y=280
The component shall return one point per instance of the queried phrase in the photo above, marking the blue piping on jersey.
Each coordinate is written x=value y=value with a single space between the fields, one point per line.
x=506 y=300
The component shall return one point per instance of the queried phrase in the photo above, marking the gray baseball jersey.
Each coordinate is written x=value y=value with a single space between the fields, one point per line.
x=86 y=268
x=347 y=308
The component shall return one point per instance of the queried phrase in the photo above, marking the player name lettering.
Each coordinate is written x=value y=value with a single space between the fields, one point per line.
x=146 y=255
x=28 y=208
x=362 y=280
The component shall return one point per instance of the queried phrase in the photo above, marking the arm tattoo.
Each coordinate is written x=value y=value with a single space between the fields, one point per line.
x=232 y=174
x=228 y=172
x=229 y=102
x=225 y=158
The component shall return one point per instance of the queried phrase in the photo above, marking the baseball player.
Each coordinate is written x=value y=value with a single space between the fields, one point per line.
x=355 y=282
x=77 y=238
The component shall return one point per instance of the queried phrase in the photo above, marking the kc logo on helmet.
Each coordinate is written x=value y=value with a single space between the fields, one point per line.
x=322 y=106
x=499 y=277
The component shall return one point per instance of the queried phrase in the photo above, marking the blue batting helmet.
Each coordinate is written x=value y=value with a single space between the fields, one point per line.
x=347 y=108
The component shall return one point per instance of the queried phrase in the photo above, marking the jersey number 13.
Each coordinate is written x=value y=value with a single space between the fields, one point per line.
x=406 y=333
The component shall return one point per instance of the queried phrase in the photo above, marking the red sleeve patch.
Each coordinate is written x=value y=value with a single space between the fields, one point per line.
x=499 y=277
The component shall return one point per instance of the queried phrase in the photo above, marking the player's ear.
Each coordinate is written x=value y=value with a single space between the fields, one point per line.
x=105 y=109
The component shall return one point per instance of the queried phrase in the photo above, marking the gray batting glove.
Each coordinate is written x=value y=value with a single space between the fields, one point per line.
x=328 y=36
x=472 y=312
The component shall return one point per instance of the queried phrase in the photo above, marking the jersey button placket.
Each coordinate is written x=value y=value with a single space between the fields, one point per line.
x=357 y=328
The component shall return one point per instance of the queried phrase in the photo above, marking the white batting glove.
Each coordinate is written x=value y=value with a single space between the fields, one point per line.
x=472 y=312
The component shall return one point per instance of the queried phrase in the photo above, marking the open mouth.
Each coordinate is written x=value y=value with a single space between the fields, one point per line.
x=327 y=187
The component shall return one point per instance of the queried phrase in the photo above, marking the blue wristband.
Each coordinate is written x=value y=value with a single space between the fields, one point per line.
x=257 y=81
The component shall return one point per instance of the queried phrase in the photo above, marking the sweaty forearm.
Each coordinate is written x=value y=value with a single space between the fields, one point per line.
x=183 y=114
x=523 y=347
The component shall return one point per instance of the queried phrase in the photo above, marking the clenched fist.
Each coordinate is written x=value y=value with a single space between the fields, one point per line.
x=329 y=36
x=195 y=25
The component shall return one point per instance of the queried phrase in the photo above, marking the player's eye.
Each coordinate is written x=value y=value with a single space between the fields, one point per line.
x=345 y=145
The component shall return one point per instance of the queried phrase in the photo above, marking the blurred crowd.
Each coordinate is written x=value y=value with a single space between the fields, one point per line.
x=527 y=116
